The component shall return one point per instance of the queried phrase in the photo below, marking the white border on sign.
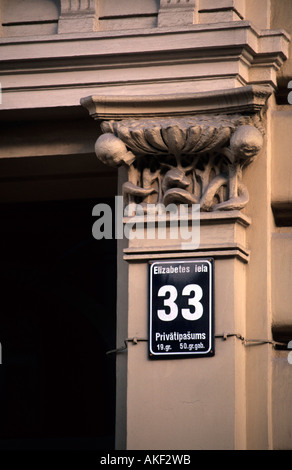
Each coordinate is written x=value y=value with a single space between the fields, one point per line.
x=199 y=260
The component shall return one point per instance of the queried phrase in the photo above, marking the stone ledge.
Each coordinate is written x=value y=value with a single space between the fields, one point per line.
x=222 y=235
x=248 y=99
x=208 y=218
x=213 y=253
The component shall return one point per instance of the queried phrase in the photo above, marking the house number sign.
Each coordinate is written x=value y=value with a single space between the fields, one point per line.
x=181 y=310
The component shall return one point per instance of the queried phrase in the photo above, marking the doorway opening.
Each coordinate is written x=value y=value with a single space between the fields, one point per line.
x=58 y=320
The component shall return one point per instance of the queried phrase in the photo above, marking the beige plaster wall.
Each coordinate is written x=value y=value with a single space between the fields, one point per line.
x=281 y=278
x=258 y=298
x=281 y=17
x=281 y=270
x=282 y=401
x=281 y=179
x=281 y=138
x=29 y=17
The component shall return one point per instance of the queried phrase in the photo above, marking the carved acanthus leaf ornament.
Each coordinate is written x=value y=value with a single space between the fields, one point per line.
x=188 y=160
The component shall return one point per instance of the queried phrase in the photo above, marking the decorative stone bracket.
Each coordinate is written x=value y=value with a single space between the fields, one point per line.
x=78 y=16
x=194 y=160
x=177 y=12
x=180 y=158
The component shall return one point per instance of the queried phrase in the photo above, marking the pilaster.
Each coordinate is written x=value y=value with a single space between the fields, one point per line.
x=176 y=151
x=205 y=147
x=215 y=11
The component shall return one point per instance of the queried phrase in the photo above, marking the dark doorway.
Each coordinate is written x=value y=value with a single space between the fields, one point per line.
x=57 y=321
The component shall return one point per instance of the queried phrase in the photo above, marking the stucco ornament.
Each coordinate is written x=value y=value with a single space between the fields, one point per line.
x=188 y=160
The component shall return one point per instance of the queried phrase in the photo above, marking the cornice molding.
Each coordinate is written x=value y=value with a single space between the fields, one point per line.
x=49 y=71
x=212 y=225
x=249 y=99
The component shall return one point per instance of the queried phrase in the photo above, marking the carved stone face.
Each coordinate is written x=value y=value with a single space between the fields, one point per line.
x=112 y=150
x=246 y=142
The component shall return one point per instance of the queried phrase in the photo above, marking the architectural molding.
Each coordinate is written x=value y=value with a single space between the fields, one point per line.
x=200 y=57
x=177 y=12
x=222 y=235
x=194 y=160
x=249 y=99
x=78 y=16
x=221 y=10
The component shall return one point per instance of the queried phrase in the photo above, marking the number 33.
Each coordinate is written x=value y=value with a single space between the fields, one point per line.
x=194 y=289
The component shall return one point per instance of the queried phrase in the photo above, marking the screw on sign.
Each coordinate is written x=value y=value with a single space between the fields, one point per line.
x=181 y=312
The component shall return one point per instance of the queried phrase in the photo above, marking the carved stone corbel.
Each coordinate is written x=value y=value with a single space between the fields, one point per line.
x=194 y=160
x=179 y=157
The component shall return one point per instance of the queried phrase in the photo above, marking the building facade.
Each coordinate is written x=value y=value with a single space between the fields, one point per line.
x=182 y=102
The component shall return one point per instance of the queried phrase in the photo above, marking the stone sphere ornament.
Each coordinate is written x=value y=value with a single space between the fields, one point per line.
x=112 y=150
x=246 y=142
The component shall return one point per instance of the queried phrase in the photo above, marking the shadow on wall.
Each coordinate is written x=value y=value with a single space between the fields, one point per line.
x=58 y=284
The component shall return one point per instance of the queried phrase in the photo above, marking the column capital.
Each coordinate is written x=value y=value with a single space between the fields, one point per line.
x=186 y=155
